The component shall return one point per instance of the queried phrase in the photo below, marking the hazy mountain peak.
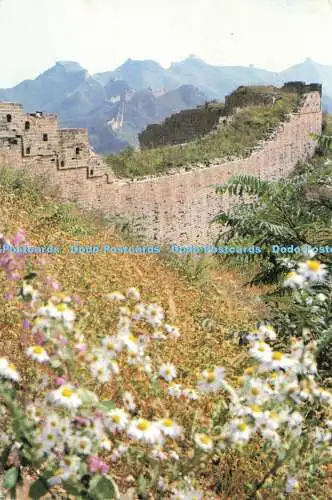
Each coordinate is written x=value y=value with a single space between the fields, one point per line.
x=70 y=66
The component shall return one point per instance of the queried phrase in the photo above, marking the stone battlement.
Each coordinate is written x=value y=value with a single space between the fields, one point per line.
x=176 y=207
x=35 y=138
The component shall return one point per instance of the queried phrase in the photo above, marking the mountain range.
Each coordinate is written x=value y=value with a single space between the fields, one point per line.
x=116 y=105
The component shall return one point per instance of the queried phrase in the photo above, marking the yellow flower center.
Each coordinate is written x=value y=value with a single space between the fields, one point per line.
x=242 y=427
x=205 y=439
x=211 y=377
x=116 y=419
x=37 y=349
x=12 y=366
x=249 y=371
x=313 y=265
x=67 y=393
x=256 y=408
x=292 y=274
x=143 y=425
x=61 y=307
x=255 y=391
x=277 y=356
x=110 y=346
x=168 y=422
x=132 y=338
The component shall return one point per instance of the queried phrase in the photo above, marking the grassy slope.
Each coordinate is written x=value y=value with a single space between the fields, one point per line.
x=237 y=138
x=93 y=276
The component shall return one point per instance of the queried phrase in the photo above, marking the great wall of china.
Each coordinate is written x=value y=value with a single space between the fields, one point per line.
x=176 y=207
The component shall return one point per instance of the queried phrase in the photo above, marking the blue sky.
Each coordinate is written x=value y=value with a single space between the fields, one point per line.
x=102 y=34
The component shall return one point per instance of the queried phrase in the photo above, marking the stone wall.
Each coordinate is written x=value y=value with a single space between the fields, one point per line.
x=176 y=207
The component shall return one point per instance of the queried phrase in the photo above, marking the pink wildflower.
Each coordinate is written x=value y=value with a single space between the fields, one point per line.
x=97 y=465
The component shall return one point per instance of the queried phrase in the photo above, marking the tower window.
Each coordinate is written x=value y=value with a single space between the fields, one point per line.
x=45 y=137
x=27 y=126
x=62 y=164
x=77 y=151
x=91 y=171
x=9 y=118
x=28 y=150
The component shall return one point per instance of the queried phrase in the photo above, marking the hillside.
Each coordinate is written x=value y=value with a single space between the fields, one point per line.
x=92 y=277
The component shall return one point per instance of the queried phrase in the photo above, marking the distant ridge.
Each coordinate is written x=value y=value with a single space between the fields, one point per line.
x=117 y=105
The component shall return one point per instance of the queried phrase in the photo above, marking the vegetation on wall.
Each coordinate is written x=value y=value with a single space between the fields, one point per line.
x=182 y=127
x=237 y=138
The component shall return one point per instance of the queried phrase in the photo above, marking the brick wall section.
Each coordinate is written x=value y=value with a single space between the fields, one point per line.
x=175 y=207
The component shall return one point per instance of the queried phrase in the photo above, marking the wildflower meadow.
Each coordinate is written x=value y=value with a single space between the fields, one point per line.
x=57 y=427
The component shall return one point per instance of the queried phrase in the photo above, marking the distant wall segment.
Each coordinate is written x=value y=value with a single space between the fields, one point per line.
x=175 y=207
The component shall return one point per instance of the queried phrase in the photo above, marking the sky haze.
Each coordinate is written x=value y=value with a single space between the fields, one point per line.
x=102 y=34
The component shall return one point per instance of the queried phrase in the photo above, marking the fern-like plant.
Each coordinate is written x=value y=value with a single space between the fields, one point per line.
x=295 y=211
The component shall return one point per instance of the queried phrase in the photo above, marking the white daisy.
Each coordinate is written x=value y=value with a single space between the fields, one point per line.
x=158 y=454
x=82 y=445
x=268 y=332
x=113 y=345
x=71 y=463
x=48 y=438
x=211 y=379
x=313 y=270
x=154 y=315
x=291 y=485
x=38 y=353
x=133 y=293
x=65 y=396
x=129 y=401
x=28 y=292
x=131 y=342
x=294 y=280
x=261 y=351
x=203 y=441
x=170 y=428
x=190 y=394
x=167 y=371
x=256 y=392
x=278 y=361
x=173 y=331
x=117 y=420
x=52 y=422
x=61 y=474
x=240 y=431
x=116 y=297
x=8 y=370
x=100 y=371
x=175 y=390
x=138 y=312
x=146 y=431
x=186 y=494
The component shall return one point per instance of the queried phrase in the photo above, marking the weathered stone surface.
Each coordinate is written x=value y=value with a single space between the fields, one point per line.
x=175 y=208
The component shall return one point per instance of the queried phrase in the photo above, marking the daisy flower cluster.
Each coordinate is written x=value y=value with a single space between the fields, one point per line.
x=311 y=271
x=74 y=436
